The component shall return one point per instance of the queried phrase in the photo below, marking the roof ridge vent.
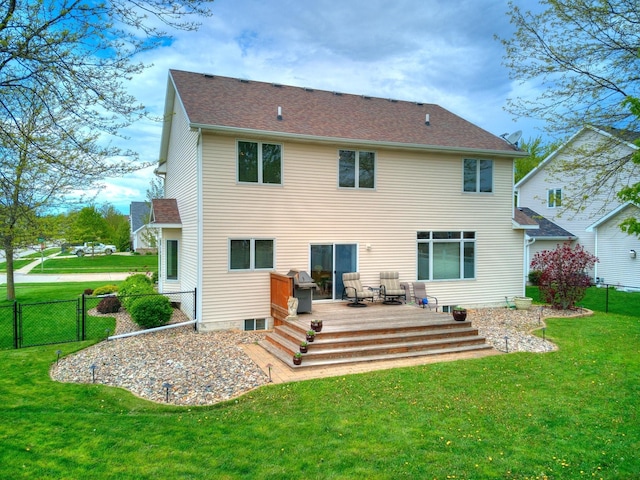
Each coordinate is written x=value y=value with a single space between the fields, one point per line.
x=337 y=94
x=392 y=100
x=243 y=80
x=277 y=85
x=208 y=75
x=307 y=89
x=366 y=97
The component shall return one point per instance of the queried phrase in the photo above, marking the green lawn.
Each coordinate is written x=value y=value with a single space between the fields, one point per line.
x=50 y=322
x=568 y=414
x=100 y=264
x=624 y=303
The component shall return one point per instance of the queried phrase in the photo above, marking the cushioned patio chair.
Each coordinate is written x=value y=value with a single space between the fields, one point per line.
x=354 y=291
x=421 y=298
x=390 y=289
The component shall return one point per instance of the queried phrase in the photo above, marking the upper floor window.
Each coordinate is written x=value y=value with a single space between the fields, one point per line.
x=259 y=163
x=251 y=254
x=357 y=169
x=446 y=255
x=554 y=197
x=478 y=176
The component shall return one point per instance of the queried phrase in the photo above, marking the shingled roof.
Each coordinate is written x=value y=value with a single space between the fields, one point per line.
x=164 y=212
x=215 y=102
x=548 y=230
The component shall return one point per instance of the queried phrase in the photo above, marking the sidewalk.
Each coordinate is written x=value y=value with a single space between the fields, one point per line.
x=23 y=275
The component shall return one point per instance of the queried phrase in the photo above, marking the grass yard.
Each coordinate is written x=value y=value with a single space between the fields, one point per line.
x=26 y=260
x=623 y=303
x=568 y=414
x=49 y=322
x=101 y=264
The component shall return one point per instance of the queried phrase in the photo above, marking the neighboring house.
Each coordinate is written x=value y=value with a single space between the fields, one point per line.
x=264 y=178
x=143 y=237
x=545 y=192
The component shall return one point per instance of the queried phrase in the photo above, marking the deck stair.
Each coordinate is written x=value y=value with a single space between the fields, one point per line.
x=374 y=333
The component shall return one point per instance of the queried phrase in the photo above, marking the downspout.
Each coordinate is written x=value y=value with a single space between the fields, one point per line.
x=525 y=266
x=199 y=234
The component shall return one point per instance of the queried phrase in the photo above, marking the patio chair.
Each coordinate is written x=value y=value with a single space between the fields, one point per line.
x=421 y=297
x=390 y=289
x=354 y=291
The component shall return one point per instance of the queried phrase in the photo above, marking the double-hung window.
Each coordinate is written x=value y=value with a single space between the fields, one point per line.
x=357 y=169
x=478 y=176
x=259 y=163
x=554 y=197
x=446 y=255
x=251 y=254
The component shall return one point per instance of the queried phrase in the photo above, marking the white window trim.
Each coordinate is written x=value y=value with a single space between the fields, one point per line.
x=554 y=192
x=166 y=260
x=357 y=170
x=461 y=241
x=252 y=255
x=477 y=189
x=260 y=166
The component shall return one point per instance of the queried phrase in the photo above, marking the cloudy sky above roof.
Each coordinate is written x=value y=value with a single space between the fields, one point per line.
x=432 y=51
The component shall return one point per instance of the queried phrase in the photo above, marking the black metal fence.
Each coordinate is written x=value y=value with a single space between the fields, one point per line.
x=45 y=323
x=616 y=297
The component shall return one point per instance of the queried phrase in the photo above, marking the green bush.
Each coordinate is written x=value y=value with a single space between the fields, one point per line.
x=150 y=311
x=105 y=290
x=534 y=277
x=134 y=285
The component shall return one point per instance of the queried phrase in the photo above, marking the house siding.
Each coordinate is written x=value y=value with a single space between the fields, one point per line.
x=616 y=265
x=181 y=184
x=532 y=193
x=414 y=192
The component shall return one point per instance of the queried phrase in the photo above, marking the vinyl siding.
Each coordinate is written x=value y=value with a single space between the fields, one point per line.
x=533 y=194
x=414 y=192
x=616 y=266
x=181 y=183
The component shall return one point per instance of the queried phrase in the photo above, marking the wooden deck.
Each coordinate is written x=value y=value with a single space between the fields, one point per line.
x=370 y=334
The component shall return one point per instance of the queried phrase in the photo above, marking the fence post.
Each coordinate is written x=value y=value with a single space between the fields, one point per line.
x=606 y=303
x=195 y=308
x=83 y=317
x=15 y=325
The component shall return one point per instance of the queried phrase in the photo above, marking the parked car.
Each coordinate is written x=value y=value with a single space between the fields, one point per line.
x=92 y=248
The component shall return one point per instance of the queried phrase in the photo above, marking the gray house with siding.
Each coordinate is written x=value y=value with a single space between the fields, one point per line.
x=262 y=177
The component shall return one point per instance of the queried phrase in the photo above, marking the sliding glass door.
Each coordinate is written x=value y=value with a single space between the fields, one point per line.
x=328 y=262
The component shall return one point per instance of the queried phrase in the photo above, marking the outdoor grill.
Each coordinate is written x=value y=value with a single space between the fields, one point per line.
x=303 y=286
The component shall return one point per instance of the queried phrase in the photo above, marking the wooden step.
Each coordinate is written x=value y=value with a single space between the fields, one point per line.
x=378 y=332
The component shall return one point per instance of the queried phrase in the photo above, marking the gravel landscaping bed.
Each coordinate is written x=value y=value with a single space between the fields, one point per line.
x=206 y=368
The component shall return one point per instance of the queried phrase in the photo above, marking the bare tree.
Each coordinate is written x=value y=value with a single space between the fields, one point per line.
x=64 y=68
x=582 y=56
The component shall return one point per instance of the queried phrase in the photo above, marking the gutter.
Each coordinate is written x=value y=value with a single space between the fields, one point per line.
x=352 y=141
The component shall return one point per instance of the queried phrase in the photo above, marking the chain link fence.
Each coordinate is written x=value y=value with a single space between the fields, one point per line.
x=45 y=323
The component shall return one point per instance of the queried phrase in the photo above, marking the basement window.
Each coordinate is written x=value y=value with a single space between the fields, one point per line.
x=252 y=324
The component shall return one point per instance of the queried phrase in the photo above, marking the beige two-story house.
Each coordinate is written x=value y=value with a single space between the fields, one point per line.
x=267 y=178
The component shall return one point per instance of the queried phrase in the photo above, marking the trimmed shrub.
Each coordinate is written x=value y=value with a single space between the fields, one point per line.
x=138 y=284
x=534 y=277
x=88 y=291
x=109 y=305
x=151 y=311
x=105 y=290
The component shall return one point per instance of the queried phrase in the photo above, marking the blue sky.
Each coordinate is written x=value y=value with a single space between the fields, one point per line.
x=433 y=51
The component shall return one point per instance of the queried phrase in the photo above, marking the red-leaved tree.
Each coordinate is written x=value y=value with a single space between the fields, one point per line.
x=563 y=279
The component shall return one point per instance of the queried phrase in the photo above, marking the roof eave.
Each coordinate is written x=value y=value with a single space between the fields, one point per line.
x=352 y=141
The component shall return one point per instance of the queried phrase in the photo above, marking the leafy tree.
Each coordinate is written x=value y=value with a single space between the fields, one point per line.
x=64 y=68
x=118 y=227
x=538 y=151
x=89 y=226
x=631 y=193
x=563 y=279
x=583 y=57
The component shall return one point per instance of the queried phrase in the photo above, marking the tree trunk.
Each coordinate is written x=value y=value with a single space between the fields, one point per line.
x=8 y=252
